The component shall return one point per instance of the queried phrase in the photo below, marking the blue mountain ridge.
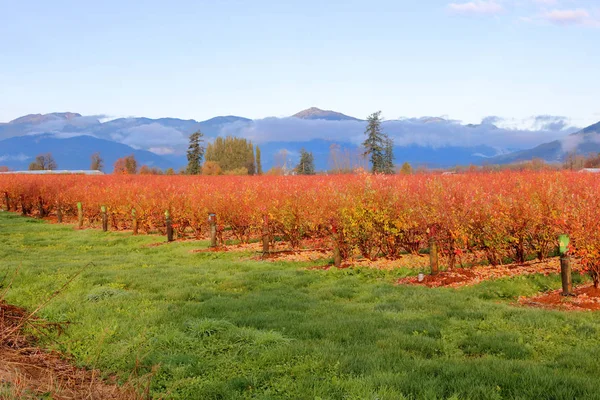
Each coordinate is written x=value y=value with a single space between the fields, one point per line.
x=72 y=153
x=162 y=142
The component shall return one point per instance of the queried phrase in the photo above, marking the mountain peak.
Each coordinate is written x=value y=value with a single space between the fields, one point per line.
x=34 y=119
x=591 y=129
x=317 y=113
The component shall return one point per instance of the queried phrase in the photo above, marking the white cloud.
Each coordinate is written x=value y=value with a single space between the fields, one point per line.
x=413 y=131
x=162 y=150
x=571 y=142
x=546 y=2
x=476 y=7
x=153 y=135
x=19 y=157
x=577 y=16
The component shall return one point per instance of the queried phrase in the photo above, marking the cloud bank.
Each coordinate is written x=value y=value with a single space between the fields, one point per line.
x=428 y=132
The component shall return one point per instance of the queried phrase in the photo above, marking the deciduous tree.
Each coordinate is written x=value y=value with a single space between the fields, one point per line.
x=97 y=163
x=43 y=162
x=126 y=165
x=231 y=153
x=259 y=170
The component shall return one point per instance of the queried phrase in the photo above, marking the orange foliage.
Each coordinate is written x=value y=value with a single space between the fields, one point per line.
x=491 y=216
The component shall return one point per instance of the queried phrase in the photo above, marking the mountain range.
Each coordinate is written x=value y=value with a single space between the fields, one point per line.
x=430 y=141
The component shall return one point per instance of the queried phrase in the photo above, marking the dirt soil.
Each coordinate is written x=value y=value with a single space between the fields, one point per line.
x=470 y=276
x=28 y=372
x=584 y=298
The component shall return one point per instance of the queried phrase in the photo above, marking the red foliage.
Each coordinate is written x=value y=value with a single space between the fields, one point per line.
x=494 y=216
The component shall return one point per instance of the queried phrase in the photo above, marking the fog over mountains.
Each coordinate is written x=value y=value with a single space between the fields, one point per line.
x=430 y=141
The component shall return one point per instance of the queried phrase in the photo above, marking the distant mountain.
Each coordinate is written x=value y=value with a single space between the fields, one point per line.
x=431 y=141
x=72 y=153
x=586 y=141
x=317 y=113
x=34 y=119
x=228 y=119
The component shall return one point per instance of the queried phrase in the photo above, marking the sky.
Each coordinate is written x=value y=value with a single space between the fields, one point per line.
x=462 y=60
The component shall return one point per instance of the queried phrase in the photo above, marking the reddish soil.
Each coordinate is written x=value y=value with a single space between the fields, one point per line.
x=211 y=250
x=585 y=298
x=471 y=276
x=26 y=371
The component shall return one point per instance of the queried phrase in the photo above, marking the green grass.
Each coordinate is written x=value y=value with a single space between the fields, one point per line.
x=223 y=327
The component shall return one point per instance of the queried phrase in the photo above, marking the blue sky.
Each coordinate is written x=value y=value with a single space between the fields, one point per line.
x=197 y=59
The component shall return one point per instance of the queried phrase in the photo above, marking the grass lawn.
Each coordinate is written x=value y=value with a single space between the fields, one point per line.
x=222 y=327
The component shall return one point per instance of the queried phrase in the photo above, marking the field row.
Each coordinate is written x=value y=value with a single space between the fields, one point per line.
x=489 y=217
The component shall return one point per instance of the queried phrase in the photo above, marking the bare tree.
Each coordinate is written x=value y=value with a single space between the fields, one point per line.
x=43 y=162
x=97 y=162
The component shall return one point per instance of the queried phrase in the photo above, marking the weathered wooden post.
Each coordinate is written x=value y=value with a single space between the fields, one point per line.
x=41 y=211
x=7 y=200
x=169 y=226
x=80 y=215
x=565 y=265
x=135 y=221
x=433 y=256
x=23 y=207
x=212 y=221
x=104 y=219
x=265 y=235
x=337 y=254
x=59 y=214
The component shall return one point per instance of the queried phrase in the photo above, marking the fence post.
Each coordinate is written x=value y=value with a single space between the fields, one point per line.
x=7 y=199
x=80 y=215
x=433 y=256
x=104 y=219
x=135 y=221
x=212 y=220
x=265 y=235
x=23 y=208
x=337 y=254
x=41 y=207
x=169 y=226
x=59 y=214
x=565 y=265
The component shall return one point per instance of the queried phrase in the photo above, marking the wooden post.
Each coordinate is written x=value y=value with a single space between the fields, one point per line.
x=169 y=226
x=265 y=235
x=565 y=265
x=135 y=221
x=41 y=211
x=59 y=214
x=212 y=221
x=337 y=254
x=23 y=208
x=7 y=199
x=80 y=215
x=433 y=257
x=104 y=219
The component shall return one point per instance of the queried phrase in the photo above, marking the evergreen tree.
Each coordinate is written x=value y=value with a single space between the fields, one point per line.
x=388 y=155
x=259 y=170
x=195 y=154
x=375 y=143
x=306 y=166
